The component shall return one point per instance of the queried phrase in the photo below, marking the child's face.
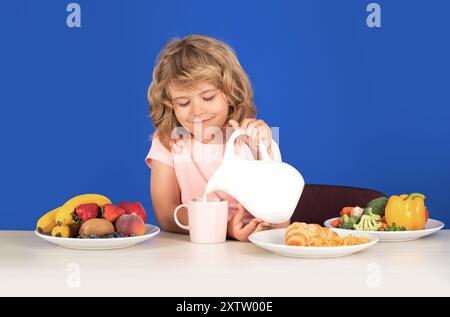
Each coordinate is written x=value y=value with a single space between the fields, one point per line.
x=199 y=107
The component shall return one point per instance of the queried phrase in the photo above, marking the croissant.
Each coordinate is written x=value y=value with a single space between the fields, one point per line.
x=302 y=234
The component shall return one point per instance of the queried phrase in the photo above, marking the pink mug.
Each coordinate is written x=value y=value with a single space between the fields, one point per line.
x=207 y=220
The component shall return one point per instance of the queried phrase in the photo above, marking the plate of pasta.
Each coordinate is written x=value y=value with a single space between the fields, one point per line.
x=312 y=241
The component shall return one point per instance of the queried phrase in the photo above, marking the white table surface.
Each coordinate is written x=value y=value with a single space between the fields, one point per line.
x=170 y=265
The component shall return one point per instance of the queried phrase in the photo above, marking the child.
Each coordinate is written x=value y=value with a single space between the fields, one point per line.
x=199 y=92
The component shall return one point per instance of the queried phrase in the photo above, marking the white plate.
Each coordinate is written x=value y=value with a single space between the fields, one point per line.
x=273 y=240
x=431 y=227
x=103 y=243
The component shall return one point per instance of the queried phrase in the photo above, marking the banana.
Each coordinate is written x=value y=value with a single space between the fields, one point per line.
x=64 y=215
x=47 y=222
x=66 y=231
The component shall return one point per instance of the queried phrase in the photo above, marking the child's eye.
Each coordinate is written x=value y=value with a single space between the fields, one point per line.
x=209 y=98
x=183 y=104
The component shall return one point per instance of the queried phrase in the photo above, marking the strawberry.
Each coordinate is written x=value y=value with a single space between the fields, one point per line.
x=111 y=212
x=87 y=211
x=134 y=207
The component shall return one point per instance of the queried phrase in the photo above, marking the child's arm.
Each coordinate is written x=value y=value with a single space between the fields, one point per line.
x=166 y=196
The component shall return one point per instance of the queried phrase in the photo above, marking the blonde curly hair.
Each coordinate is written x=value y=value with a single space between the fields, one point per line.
x=195 y=58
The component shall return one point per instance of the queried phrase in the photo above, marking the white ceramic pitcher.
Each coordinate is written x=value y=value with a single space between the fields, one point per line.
x=268 y=189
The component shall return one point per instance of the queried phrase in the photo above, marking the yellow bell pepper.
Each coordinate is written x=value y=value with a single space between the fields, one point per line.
x=406 y=211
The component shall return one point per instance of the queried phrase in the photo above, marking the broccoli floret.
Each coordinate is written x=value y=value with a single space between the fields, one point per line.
x=348 y=222
x=368 y=222
x=374 y=216
x=394 y=227
x=347 y=225
x=376 y=206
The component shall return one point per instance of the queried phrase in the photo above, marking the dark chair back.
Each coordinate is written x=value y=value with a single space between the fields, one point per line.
x=321 y=202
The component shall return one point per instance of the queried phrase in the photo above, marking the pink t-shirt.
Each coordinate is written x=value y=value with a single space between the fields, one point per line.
x=195 y=162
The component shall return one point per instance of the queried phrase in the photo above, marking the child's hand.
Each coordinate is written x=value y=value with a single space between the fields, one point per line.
x=255 y=130
x=237 y=226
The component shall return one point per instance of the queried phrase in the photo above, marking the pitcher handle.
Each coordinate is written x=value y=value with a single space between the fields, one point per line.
x=229 y=149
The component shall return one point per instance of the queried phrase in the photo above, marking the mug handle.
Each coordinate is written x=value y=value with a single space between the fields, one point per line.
x=175 y=217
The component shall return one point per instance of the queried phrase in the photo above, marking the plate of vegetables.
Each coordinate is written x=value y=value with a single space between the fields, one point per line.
x=397 y=218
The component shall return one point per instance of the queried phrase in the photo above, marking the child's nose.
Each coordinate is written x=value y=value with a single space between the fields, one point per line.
x=198 y=108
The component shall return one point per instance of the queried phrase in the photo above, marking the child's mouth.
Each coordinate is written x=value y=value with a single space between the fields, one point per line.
x=202 y=121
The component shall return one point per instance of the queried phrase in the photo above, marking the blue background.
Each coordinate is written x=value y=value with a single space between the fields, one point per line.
x=355 y=105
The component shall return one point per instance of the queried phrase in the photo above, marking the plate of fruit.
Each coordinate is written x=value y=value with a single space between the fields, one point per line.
x=397 y=218
x=92 y=222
